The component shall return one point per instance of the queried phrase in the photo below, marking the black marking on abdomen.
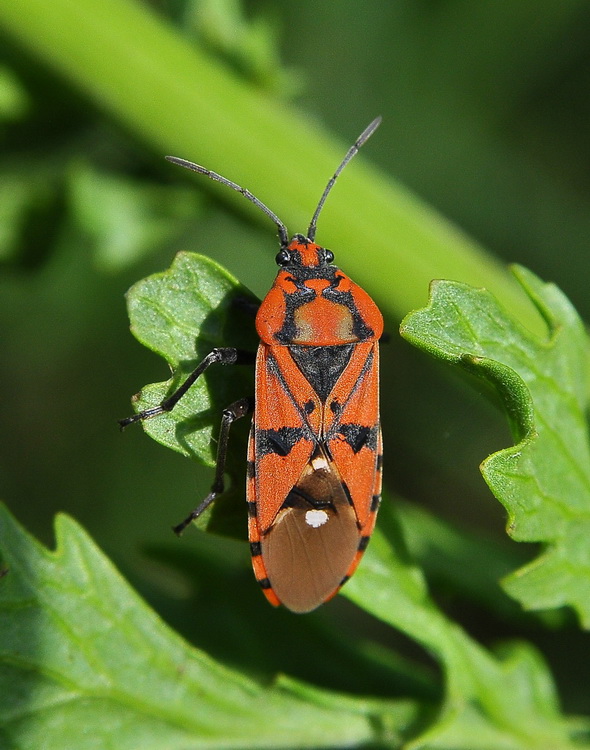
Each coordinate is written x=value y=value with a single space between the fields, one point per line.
x=309 y=407
x=347 y=493
x=297 y=498
x=358 y=436
x=279 y=441
x=255 y=549
x=265 y=583
x=335 y=407
x=364 y=541
x=252 y=510
x=322 y=365
x=375 y=501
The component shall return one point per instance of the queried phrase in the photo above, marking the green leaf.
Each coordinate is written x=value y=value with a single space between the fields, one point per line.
x=504 y=700
x=168 y=312
x=84 y=663
x=182 y=314
x=543 y=480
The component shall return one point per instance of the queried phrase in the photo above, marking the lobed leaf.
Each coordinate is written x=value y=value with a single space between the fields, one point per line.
x=182 y=314
x=85 y=664
x=497 y=701
x=493 y=701
x=544 y=479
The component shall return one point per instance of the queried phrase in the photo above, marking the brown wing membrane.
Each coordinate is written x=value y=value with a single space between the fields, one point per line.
x=314 y=539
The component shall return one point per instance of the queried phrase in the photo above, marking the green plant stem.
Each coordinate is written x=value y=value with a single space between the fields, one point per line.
x=142 y=72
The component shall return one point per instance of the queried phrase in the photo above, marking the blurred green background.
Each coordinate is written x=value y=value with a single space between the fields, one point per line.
x=485 y=117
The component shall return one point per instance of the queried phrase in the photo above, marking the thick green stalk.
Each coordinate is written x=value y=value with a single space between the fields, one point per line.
x=167 y=91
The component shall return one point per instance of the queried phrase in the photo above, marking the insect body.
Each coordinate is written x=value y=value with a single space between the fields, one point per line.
x=315 y=445
x=314 y=455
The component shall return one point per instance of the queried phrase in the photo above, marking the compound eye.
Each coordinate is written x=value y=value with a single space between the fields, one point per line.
x=328 y=256
x=283 y=257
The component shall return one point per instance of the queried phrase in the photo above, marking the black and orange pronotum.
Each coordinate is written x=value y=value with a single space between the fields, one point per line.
x=315 y=453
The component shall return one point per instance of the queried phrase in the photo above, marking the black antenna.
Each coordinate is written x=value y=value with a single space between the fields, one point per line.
x=283 y=234
x=353 y=150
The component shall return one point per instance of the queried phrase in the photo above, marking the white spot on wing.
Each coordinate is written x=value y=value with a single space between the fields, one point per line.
x=316 y=518
x=319 y=463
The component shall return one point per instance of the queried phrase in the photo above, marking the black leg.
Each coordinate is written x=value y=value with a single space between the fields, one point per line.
x=235 y=411
x=225 y=356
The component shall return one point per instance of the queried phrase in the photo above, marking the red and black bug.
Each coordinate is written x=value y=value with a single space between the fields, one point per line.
x=315 y=451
